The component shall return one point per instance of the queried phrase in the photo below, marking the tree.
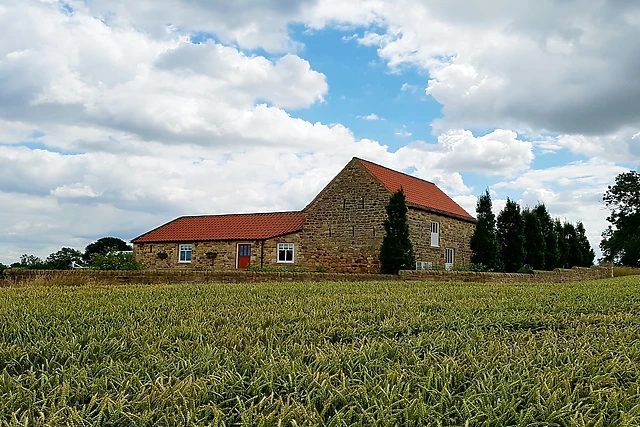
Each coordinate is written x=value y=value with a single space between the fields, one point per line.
x=573 y=245
x=396 y=252
x=587 y=253
x=105 y=245
x=29 y=262
x=621 y=240
x=2 y=268
x=551 y=253
x=563 y=246
x=484 y=242
x=510 y=232
x=63 y=259
x=115 y=261
x=534 y=241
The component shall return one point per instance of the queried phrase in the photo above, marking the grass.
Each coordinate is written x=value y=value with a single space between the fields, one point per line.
x=322 y=354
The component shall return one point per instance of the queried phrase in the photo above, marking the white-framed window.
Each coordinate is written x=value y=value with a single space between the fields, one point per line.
x=285 y=252
x=185 y=253
x=435 y=233
x=449 y=258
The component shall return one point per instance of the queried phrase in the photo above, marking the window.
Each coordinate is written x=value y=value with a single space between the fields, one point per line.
x=185 y=253
x=449 y=256
x=435 y=233
x=285 y=252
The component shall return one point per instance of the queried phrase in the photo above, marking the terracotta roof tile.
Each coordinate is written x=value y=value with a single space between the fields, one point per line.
x=225 y=227
x=417 y=191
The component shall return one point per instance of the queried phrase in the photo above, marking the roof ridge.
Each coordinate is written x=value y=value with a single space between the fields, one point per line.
x=394 y=171
x=239 y=214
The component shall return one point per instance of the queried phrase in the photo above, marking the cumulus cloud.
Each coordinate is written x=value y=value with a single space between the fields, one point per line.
x=117 y=116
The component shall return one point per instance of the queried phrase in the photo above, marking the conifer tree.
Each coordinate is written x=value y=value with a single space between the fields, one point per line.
x=484 y=242
x=510 y=232
x=534 y=241
x=563 y=247
x=551 y=253
x=588 y=255
x=396 y=252
x=574 y=250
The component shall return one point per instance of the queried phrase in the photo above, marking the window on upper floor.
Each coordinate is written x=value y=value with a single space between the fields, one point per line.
x=185 y=251
x=285 y=252
x=435 y=233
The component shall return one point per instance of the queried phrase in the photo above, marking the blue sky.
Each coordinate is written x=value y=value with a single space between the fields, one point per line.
x=114 y=120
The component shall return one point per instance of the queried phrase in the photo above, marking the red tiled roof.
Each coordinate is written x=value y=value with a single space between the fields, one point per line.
x=225 y=227
x=418 y=192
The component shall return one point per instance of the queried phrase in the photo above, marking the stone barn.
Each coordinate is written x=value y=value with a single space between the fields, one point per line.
x=341 y=230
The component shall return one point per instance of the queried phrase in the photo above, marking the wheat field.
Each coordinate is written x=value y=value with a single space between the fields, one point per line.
x=329 y=354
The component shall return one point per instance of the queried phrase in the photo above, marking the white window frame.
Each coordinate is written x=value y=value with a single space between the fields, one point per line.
x=435 y=234
x=286 y=246
x=185 y=249
x=449 y=265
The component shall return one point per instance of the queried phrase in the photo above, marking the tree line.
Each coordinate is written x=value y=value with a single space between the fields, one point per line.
x=521 y=240
x=107 y=253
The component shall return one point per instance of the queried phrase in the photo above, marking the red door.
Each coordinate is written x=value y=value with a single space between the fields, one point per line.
x=244 y=256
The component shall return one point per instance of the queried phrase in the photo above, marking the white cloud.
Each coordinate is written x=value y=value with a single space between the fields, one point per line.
x=406 y=87
x=141 y=124
x=371 y=116
x=403 y=133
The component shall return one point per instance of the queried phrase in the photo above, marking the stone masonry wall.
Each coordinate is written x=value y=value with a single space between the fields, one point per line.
x=15 y=277
x=454 y=233
x=227 y=253
x=343 y=228
x=559 y=275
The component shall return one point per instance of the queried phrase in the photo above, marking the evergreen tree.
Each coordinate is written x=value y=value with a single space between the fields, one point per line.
x=574 y=250
x=534 y=241
x=484 y=242
x=551 y=253
x=396 y=252
x=588 y=255
x=510 y=232
x=563 y=247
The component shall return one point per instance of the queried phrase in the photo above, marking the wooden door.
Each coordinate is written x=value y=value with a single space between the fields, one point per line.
x=244 y=256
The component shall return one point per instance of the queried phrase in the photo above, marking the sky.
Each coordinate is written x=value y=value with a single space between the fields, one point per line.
x=118 y=116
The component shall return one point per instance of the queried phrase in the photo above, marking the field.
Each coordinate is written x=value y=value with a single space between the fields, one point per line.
x=322 y=354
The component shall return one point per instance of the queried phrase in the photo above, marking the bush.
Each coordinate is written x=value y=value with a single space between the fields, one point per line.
x=115 y=261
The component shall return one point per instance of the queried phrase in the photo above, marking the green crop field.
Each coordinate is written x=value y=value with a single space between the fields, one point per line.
x=322 y=354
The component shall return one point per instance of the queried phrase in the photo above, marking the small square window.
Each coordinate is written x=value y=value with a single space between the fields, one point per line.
x=285 y=252
x=185 y=253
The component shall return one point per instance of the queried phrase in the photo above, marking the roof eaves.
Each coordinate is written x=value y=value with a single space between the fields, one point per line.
x=443 y=213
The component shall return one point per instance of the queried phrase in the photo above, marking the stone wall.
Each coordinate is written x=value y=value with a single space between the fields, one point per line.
x=266 y=251
x=454 y=233
x=176 y=276
x=559 y=275
x=172 y=276
x=343 y=228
